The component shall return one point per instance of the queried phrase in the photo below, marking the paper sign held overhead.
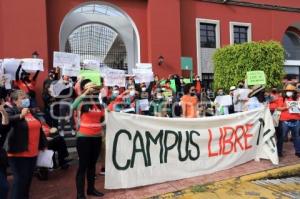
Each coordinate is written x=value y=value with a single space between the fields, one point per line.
x=91 y=64
x=62 y=60
x=10 y=67
x=256 y=78
x=30 y=64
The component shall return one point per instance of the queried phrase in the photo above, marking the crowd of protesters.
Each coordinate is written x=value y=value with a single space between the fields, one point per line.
x=78 y=105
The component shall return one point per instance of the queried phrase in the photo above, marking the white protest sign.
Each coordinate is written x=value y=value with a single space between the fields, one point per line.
x=143 y=150
x=144 y=104
x=92 y=65
x=30 y=64
x=143 y=75
x=113 y=79
x=293 y=106
x=225 y=100
x=106 y=70
x=5 y=80
x=71 y=71
x=10 y=67
x=62 y=60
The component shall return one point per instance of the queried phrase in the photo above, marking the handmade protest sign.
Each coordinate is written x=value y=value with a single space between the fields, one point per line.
x=173 y=85
x=256 y=78
x=225 y=100
x=10 y=67
x=94 y=76
x=143 y=75
x=293 y=106
x=91 y=64
x=143 y=104
x=30 y=64
x=114 y=79
x=62 y=59
x=143 y=150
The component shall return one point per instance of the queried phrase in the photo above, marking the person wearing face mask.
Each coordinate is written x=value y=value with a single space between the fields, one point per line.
x=158 y=105
x=239 y=100
x=124 y=101
x=4 y=129
x=189 y=102
x=288 y=121
x=89 y=138
x=64 y=93
x=24 y=142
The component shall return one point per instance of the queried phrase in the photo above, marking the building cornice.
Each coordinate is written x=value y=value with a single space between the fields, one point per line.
x=255 y=5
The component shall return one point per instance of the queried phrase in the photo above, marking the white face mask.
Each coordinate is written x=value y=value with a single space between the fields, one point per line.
x=289 y=94
x=159 y=96
x=144 y=89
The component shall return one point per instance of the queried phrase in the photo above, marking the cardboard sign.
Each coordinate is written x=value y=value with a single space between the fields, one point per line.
x=30 y=64
x=256 y=78
x=66 y=60
x=294 y=106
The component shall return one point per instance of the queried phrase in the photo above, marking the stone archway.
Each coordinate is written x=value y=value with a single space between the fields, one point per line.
x=108 y=17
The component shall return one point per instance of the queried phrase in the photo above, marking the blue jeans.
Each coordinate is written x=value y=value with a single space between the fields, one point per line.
x=285 y=127
x=22 y=169
x=3 y=185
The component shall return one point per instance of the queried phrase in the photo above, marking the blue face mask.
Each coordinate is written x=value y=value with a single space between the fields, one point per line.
x=25 y=103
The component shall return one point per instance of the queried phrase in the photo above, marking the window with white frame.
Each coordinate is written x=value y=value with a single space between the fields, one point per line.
x=240 y=32
x=207 y=41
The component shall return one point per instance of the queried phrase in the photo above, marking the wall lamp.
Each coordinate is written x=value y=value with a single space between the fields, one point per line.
x=161 y=60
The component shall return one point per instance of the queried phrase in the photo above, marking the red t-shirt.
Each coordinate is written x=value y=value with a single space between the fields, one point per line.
x=33 y=138
x=90 y=122
x=273 y=104
x=286 y=115
x=198 y=87
x=22 y=86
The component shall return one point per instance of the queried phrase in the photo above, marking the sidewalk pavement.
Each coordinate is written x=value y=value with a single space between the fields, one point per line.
x=61 y=184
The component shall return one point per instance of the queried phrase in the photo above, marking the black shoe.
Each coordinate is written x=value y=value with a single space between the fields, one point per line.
x=280 y=155
x=81 y=197
x=297 y=154
x=95 y=193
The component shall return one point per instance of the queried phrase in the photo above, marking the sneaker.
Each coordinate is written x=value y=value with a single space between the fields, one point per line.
x=297 y=154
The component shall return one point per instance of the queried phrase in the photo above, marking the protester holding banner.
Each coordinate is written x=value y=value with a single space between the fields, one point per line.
x=24 y=143
x=88 y=138
x=189 y=102
x=240 y=97
x=4 y=129
x=289 y=121
x=222 y=103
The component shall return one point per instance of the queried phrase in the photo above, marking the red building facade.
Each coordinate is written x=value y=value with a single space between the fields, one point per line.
x=168 y=28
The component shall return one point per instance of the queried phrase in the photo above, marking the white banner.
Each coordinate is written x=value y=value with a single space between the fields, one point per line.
x=30 y=64
x=66 y=60
x=143 y=150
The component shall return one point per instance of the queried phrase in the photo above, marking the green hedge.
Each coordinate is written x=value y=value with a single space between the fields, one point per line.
x=232 y=63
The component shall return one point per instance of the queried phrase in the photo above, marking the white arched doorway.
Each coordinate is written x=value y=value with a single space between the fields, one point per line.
x=102 y=31
x=291 y=44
